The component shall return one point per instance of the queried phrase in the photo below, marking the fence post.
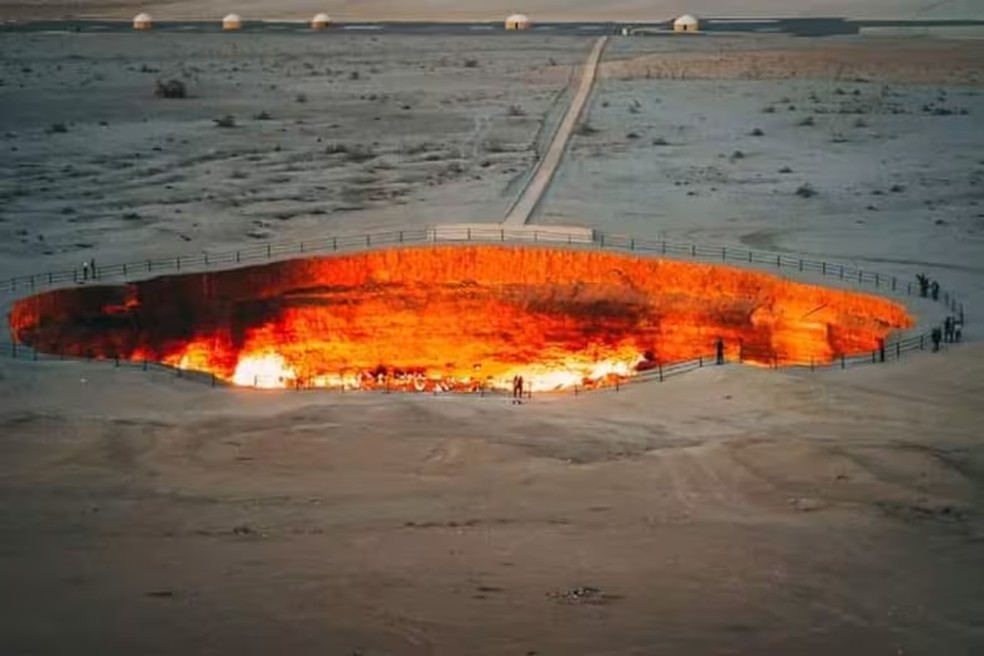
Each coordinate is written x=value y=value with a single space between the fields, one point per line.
x=601 y=237
x=823 y=268
x=877 y=280
x=893 y=283
x=922 y=346
x=724 y=253
x=334 y=243
x=749 y=257
x=535 y=239
x=860 y=276
x=401 y=236
x=693 y=250
x=874 y=357
x=812 y=365
x=843 y=362
x=213 y=380
x=502 y=234
x=778 y=261
x=177 y=262
x=700 y=361
x=663 y=246
x=205 y=255
x=145 y=364
x=632 y=244
x=898 y=350
x=661 y=372
x=302 y=247
x=801 y=264
x=616 y=386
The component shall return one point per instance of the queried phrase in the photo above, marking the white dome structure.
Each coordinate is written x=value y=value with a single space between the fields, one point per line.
x=518 y=22
x=320 y=21
x=686 y=23
x=142 y=21
x=232 y=22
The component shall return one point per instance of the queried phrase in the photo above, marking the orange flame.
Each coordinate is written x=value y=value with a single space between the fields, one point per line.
x=455 y=318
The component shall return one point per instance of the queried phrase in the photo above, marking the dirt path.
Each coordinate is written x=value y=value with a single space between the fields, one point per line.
x=520 y=213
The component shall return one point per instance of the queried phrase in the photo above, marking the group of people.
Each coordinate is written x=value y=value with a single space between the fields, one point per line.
x=928 y=288
x=950 y=333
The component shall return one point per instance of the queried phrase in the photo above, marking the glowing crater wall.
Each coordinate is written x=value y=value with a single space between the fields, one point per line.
x=455 y=316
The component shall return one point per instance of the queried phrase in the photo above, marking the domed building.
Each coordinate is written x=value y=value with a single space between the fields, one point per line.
x=232 y=22
x=518 y=22
x=142 y=21
x=320 y=22
x=686 y=23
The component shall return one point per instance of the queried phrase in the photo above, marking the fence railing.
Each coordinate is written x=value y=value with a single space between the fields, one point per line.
x=273 y=251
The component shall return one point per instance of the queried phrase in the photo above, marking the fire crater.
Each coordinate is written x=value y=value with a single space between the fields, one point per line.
x=455 y=318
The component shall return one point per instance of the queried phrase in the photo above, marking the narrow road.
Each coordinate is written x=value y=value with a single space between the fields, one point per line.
x=547 y=166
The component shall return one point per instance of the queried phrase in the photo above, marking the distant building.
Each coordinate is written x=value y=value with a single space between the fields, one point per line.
x=518 y=22
x=320 y=21
x=686 y=23
x=142 y=21
x=232 y=22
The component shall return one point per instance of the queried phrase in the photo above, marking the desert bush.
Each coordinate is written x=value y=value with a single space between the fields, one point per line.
x=227 y=121
x=57 y=128
x=786 y=169
x=806 y=191
x=807 y=122
x=354 y=75
x=300 y=98
x=585 y=129
x=768 y=109
x=737 y=155
x=471 y=62
x=757 y=132
x=494 y=146
x=660 y=141
x=171 y=89
x=262 y=116
x=632 y=135
x=515 y=110
x=860 y=123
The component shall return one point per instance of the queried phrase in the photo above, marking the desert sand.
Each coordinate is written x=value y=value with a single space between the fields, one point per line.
x=563 y=10
x=733 y=510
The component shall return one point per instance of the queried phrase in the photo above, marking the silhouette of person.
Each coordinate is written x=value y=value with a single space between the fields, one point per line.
x=720 y=350
x=935 y=290
x=923 y=284
x=937 y=337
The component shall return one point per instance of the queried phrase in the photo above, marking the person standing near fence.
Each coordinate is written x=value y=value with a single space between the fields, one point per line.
x=937 y=337
x=720 y=350
x=923 y=284
x=935 y=290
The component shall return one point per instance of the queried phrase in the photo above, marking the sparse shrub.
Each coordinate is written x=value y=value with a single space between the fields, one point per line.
x=633 y=135
x=300 y=98
x=807 y=122
x=57 y=128
x=635 y=107
x=860 y=123
x=227 y=121
x=171 y=89
x=785 y=170
x=737 y=155
x=494 y=146
x=471 y=62
x=838 y=138
x=768 y=109
x=515 y=110
x=757 y=132
x=897 y=188
x=660 y=141
x=806 y=191
x=354 y=75
x=585 y=129
x=263 y=116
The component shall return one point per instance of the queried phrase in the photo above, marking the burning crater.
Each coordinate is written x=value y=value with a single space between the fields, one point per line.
x=454 y=317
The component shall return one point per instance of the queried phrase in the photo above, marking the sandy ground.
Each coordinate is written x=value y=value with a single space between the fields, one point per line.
x=644 y=10
x=729 y=511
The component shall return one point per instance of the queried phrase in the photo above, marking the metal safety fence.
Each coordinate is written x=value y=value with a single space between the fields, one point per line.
x=136 y=270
